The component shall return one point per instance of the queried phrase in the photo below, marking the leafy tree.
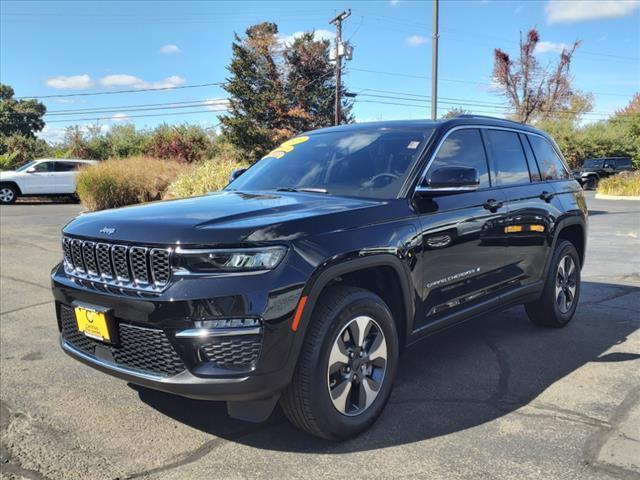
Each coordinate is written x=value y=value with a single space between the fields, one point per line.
x=455 y=112
x=22 y=117
x=310 y=85
x=277 y=90
x=534 y=91
x=257 y=103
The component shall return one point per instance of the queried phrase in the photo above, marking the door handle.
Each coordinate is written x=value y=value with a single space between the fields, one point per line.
x=546 y=196
x=492 y=205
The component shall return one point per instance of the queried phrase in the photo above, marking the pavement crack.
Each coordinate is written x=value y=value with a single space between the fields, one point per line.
x=504 y=372
x=27 y=282
x=597 y=441
x=26 y=308
x=200 y=452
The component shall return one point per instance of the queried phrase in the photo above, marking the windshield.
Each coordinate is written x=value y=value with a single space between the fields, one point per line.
x=593 y=163
x=27 y=165
x=360 y=163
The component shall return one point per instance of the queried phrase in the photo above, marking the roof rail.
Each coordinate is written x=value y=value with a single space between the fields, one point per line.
x=471 y=115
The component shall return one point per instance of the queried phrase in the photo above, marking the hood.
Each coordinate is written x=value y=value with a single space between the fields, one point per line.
x=226 y=218
x=7 y=173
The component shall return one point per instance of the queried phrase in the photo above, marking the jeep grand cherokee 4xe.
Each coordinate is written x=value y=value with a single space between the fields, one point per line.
x=304 y=279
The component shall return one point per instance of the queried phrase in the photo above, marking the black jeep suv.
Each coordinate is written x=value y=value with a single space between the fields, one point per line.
x=304 y=279
x=595 y=169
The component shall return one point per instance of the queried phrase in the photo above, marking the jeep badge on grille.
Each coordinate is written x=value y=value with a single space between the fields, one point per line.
x=108 y=230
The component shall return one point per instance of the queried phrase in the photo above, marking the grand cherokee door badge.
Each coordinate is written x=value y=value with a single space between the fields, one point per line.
x=453 y=278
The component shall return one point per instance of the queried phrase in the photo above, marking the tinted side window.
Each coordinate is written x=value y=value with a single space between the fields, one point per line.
x=531 y=159
x=464 y=148
x=551 y=166
x=508 y=157
x=623 y=162
x=66 y=166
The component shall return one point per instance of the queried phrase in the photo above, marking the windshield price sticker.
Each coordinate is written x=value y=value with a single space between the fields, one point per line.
x=286 y=147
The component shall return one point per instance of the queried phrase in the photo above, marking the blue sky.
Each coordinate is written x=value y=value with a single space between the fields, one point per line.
x=53 y=48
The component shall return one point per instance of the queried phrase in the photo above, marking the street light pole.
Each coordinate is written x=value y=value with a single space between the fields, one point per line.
x=337 y=21
x=434 y=64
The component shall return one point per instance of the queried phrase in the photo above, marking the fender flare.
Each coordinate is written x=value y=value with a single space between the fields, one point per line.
x=561 y=225
x=13 y=184
x=321 y=278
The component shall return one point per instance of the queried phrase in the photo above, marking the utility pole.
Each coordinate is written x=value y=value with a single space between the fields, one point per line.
x=434 y=64
x=337 y=21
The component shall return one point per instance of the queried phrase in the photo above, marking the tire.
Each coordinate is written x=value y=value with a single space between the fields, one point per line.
x=8 y=194
x=308 y=402
x=553 y=309
x=591 y=183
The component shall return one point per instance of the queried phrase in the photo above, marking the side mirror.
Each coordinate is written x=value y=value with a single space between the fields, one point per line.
x=450 y=180
x=236 y=173
x=31 y=170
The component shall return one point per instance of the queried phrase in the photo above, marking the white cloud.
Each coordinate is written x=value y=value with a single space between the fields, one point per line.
x=546 y=47
x=170 y=49
x=133 y=82
x=319 y=34
x=416 y=40
x=568 y=11
x=75 y=82
x=216 y=104
x=119 y=117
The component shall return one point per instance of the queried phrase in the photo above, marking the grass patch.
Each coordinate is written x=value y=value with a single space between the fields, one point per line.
x=624 y=184
x=119 y=182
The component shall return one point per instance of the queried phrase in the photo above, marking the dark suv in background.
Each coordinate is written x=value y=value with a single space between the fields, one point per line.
x=304 y=279
x=594 y=169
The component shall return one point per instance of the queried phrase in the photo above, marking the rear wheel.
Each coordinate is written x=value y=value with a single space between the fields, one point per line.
x=8 y=194
x=561 y=293
x=347 y=365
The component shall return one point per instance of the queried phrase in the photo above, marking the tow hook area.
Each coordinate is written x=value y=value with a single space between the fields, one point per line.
x=254 y=410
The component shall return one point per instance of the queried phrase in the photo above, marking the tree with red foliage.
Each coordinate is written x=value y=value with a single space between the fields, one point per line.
x=536 y=92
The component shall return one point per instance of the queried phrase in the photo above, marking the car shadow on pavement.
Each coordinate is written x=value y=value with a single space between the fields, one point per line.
x=460 y=378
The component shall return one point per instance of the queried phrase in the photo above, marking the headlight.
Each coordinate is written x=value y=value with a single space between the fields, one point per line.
x=236 y=260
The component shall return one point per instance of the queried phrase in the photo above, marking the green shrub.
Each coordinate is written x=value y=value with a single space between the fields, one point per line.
x=208 y=176
x=624 y=184
x=119 y=182
x=187 y=143
x=8 y=160
x=16 y=150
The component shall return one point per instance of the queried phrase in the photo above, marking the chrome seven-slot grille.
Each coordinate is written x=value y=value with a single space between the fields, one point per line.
x=121 y=265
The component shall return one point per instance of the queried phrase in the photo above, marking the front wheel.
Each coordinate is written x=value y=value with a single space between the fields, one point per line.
x=347 y=365
x=557 y=305
x=8 y=194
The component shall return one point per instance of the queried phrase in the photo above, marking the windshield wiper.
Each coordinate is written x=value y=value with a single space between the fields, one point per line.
x=303 y=189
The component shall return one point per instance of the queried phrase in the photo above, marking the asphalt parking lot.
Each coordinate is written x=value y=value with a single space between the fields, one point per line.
x=494 y=398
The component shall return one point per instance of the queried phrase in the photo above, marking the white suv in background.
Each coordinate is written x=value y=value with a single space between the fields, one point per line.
x=48 y=177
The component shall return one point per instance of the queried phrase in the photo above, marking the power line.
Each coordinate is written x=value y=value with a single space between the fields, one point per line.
x=113 y=117
x=140 y=108
x=112 y=92
x=399 y=74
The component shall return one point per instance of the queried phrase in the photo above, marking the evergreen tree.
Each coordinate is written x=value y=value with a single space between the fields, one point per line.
x=277 y=89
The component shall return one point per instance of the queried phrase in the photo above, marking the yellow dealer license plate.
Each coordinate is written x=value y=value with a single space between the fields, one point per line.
x=93 y=323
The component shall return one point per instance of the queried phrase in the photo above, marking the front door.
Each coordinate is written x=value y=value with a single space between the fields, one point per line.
x=40 y=180
x=463 y=235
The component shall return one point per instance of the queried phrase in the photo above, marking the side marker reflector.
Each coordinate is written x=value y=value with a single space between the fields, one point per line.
x=298 y=315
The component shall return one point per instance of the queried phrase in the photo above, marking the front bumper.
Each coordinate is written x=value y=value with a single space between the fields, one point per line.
x=191 y=373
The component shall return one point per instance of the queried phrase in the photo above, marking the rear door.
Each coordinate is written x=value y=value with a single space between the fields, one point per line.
x=531 y=204
x=65 y=176
x=462 y=234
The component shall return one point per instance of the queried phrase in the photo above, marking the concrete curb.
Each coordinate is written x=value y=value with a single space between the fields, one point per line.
x=602 y=196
